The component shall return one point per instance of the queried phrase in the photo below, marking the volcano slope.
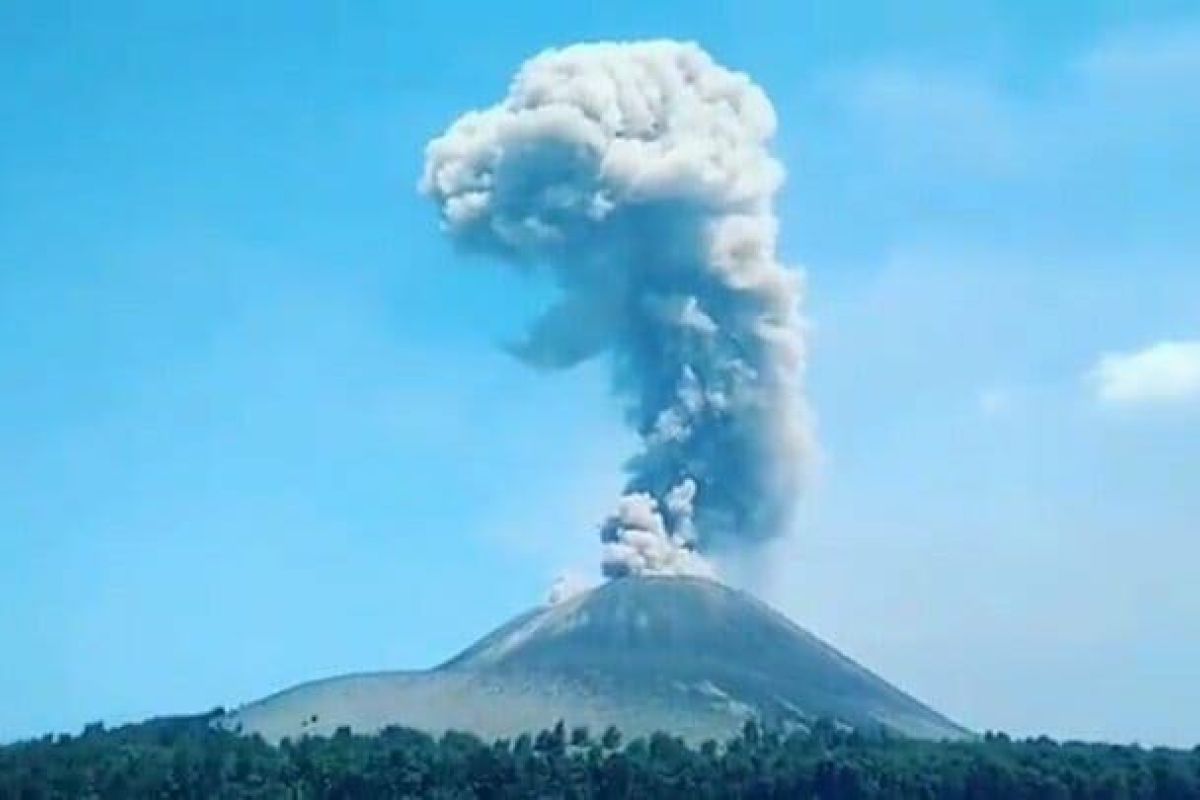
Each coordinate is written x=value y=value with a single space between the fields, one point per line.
x=686 y=656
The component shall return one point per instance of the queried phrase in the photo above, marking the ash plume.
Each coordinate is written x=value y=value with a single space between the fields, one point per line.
x=638 y=176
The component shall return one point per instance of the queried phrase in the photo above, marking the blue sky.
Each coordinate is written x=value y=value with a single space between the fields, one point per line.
x=257 y=429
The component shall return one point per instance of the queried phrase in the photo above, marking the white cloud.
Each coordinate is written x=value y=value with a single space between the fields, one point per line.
x=1167 y=372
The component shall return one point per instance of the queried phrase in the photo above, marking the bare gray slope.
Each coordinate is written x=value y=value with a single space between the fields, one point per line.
x=687 y=656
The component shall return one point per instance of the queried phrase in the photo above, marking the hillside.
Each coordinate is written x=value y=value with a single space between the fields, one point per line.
x=687 y=656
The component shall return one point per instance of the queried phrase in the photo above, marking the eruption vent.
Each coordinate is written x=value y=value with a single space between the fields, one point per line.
x=638 y=176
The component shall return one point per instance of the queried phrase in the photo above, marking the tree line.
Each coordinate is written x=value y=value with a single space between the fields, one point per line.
x=189 y=757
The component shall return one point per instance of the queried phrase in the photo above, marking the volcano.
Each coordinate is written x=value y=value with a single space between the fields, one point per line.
x=687 y=656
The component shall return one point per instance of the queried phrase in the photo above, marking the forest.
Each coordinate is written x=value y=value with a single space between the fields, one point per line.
x=189 y=757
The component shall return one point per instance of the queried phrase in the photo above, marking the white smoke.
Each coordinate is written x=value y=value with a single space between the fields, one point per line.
x=637 y=540
x=638 y=176
x=566 y=586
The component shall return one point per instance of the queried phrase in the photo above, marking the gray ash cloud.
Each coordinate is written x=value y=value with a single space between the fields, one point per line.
x=638 y=177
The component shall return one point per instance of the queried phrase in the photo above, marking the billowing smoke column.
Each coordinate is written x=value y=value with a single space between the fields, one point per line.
x=638 y=176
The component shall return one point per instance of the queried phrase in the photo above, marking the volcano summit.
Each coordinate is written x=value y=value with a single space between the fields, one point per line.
x=683 y=655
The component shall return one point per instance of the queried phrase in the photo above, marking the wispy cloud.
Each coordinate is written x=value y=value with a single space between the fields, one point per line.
x=1147 y=57
x=935 y=120
x=995 y=402
x=1164 y=373
x=1071 y=140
